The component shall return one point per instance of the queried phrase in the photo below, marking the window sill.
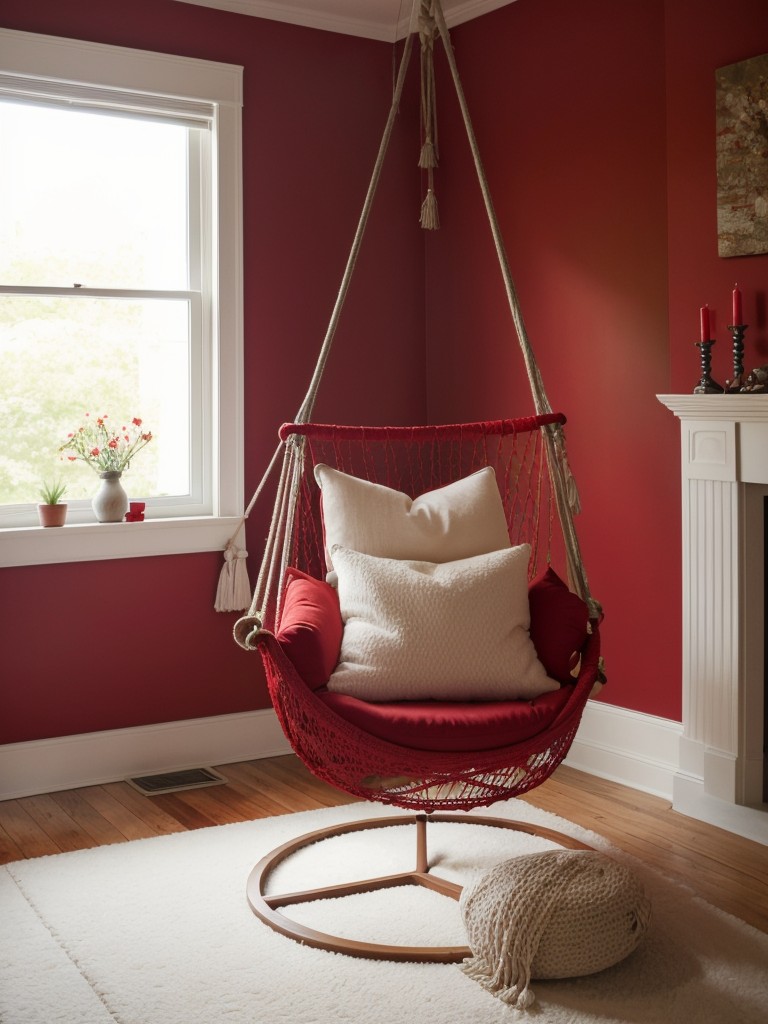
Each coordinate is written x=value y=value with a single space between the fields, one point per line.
x=86 y=542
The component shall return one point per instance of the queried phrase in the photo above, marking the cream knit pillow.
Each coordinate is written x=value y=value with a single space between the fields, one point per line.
x=459 y=520
x=451 y=631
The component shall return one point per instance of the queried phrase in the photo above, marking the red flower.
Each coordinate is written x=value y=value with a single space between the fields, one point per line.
x=97 y=444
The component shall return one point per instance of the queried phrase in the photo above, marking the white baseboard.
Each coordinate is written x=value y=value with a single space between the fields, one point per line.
x=624 y=746
x=90 y=759
x=645 y=753
x=691 y=798
x=612 y=743
x=637 y=750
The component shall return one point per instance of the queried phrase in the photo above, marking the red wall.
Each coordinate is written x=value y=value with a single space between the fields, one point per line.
x=570 y=122
x=700 y=38
x=101 y=645
x=596 y=125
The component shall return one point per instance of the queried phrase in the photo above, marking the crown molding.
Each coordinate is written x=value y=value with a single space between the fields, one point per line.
x=336 y=15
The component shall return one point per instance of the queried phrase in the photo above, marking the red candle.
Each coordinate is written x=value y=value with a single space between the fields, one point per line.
x=704 y=314
x=736 y=306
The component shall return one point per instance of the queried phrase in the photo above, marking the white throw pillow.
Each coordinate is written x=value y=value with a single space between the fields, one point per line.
x=451 y=631
x=459 y=520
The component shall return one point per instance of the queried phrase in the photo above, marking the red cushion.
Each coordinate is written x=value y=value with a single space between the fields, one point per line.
x=310 y=627
x=439 y=725
x=310 y=633
x=559 y=621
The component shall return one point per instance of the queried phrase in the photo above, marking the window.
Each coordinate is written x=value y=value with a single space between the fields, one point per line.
x=120 y=288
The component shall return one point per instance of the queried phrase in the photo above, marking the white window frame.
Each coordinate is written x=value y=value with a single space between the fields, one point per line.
x=183 y=82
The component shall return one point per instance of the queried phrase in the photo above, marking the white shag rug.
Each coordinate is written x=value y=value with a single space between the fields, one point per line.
x=159 y=931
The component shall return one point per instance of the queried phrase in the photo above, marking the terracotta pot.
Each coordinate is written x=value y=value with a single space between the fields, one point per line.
x=52 y=515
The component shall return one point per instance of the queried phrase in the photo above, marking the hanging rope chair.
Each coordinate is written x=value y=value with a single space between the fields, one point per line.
x=350 y=743
x=422 y=755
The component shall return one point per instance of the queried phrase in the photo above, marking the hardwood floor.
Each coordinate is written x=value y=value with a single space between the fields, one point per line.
x=726 y=870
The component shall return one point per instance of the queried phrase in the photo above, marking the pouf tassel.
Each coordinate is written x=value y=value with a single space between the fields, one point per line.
x=520 y=1000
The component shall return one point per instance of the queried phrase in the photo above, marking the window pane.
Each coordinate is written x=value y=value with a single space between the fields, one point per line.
x=93 y=199
x=63 y=357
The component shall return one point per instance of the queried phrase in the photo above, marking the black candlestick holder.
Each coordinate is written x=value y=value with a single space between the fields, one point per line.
x=735 y=385
x=706 y=385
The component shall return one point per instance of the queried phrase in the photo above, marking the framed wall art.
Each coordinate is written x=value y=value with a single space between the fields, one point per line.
x=742 y=157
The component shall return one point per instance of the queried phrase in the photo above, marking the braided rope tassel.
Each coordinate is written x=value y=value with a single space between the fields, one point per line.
x=233 y=593
x=430 y=218
x=428 y=157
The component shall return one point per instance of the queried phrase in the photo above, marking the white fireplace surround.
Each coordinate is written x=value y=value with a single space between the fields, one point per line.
x=724 y=463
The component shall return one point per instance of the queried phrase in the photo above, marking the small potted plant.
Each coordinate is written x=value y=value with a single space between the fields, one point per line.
x=52 y=511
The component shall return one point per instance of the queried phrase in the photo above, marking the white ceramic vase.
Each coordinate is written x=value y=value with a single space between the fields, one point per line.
x=110 y=502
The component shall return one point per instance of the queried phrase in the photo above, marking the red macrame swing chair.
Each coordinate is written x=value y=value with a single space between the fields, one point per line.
x=429 y=757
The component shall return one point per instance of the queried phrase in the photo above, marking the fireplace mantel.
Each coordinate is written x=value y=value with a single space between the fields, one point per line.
x=724 y=471
x=744 y=408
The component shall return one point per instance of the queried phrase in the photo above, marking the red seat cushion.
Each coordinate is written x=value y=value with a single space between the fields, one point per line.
x=310 y=634
x=450 y=726
x=310 y=627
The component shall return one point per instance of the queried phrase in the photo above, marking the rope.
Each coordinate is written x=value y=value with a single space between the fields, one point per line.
x=232 y=594
x=565 y=486
x=431 y=22
x=249 y=625
x=537 y=385
x=305 y=412
x=283 y=514
x=427 y=29
x=428 y=158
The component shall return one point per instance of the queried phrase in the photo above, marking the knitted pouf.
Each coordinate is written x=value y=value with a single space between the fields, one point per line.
x=557 y=914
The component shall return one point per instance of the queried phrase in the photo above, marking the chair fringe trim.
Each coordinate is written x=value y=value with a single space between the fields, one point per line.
x=369 y=768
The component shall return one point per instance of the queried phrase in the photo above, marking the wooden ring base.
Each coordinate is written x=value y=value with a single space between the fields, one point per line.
x=267 y=908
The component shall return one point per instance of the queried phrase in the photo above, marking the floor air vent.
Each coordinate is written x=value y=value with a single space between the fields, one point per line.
x=173 y=782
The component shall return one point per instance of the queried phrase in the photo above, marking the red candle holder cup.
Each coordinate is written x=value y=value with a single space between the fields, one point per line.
x=135 y=513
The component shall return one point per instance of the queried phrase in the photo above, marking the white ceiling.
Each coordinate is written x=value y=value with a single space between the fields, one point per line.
x=386 y=20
